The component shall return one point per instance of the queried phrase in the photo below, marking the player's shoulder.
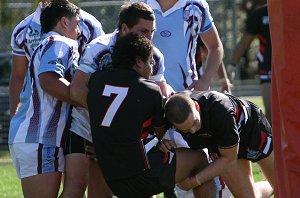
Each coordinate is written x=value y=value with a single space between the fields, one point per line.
x=201 y=3
x=24 y=24
x=59 y=42
x=151 y=85
x=87 y=16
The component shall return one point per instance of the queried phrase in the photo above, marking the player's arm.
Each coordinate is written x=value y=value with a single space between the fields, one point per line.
x=79 y=87
x=217 y=167
x=238 y=52
x=163 y=87
x=56 y=86
x=214 y=57
x=17 y=76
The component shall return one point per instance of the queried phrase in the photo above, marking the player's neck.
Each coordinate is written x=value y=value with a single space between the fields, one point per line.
x=166 y=5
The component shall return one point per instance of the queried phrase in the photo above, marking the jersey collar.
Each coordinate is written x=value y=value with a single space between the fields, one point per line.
x=37 y=14
x=155 y=6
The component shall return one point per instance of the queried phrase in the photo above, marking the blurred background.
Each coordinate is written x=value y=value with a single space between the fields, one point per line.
x=229 y=17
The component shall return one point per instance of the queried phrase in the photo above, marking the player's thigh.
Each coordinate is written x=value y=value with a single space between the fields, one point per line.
x=267 y=167
x=44 y=185
x=189 y=162
x=266 y=95
x=77 y=164
x=97 y=186
x=239 y=179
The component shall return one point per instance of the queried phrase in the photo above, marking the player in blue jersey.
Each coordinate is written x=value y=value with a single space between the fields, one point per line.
x=36 y=134
x=178 y=25
x=178 y=40
x=27 y=36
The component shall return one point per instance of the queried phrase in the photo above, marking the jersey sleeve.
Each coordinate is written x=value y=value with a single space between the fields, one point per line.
x=224 y=126
x=205 y=16
x=18 y=37
x=158 y=114
x=91 y=27
x=158 y=67
x=58 y=57
x=95 y=57
x=252 y=24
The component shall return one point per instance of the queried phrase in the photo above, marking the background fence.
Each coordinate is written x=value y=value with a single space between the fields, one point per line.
x=228 y=18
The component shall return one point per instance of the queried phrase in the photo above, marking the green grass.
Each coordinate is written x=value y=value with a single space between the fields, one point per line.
x=10 y=184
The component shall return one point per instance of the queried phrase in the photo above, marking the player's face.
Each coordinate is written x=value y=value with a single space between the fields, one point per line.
x=191 y=125
x=144 y=27
x=148 y=65
x=73 y=30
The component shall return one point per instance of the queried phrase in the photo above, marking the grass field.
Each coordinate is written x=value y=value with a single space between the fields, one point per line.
x=10 y=184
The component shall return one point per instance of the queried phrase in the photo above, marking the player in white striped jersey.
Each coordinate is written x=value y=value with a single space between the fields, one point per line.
x=27 y=36
x=36 y=135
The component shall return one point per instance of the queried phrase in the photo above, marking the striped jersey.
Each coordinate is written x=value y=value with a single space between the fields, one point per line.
x=176 y=35
x=97 y=56
x=27 y=35
x=42 y=118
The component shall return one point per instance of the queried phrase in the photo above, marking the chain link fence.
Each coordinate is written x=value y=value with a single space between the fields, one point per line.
x=227 y=17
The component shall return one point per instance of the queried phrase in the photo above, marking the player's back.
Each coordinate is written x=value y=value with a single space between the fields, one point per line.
x=122 y=106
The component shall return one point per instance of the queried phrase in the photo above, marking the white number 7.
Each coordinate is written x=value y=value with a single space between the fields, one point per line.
x=121 y=93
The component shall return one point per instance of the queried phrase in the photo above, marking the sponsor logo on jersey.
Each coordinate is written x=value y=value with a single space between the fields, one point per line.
x=34 y=39
x=165 y=33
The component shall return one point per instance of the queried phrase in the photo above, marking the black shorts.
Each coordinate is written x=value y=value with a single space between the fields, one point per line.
x=76 y=144
x=159 y=178
x=256 y=141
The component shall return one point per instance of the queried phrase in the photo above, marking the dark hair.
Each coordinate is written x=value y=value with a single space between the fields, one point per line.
x=128 y=48
x=54 y=11
x=178 y=107
x=131 y=13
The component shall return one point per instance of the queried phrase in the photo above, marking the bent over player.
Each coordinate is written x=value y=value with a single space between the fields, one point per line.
x=235 y=130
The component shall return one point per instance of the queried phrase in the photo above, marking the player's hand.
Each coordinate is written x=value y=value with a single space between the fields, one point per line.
x=225 y=85
x=231 y=71
x=188 y=183
x=165 y=145
x=90 y=152
x=200 y=85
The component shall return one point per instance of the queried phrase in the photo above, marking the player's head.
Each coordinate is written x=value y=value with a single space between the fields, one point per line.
x=138 y=18
x=183 y=113
x=61 y=16
x=133 y=51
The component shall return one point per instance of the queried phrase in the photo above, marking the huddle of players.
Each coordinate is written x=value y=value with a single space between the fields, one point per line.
x=46 y=108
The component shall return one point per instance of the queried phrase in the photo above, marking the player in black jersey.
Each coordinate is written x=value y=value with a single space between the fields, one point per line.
x=126 y=114
x=235 y=130
x=257 y=25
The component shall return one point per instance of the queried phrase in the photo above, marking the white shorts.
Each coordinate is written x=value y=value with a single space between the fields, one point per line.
x=31 y=159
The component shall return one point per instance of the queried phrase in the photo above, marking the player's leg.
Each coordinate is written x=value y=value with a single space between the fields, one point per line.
x=97 y=186
x=239 y=179
x=188 y=163
x=266 y=95
x=44 y=185
x=267 y=167
x=39 y=167
x=77 y=168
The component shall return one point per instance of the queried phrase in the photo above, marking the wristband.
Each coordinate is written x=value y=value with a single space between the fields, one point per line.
x=195 y=178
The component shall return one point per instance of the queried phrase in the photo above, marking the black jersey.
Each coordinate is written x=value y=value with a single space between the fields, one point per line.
x=258 y=24
x=226 y=122
x=124 y=108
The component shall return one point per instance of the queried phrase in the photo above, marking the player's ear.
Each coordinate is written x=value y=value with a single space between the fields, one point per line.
x=197 y=106
x=124 y=29
x=139 y=62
